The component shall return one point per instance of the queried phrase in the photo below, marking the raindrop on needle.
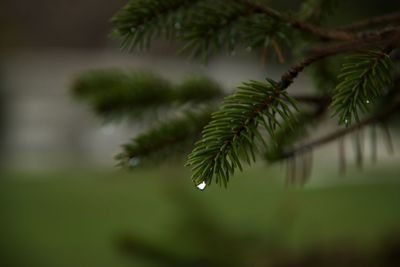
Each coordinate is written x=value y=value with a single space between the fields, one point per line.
x=202 y=186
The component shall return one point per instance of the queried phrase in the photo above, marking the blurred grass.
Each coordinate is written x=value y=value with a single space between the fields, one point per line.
x=75 y=217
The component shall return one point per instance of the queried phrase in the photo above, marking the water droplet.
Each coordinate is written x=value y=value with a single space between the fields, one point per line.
x=134 y=161
x=346 y=121
x=202 y=186
x=249 y=48
x=367 y=101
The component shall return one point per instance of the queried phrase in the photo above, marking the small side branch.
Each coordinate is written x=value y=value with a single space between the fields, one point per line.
x=367 y=23
x=330 y=34
x=389 y=37
x=338 y=134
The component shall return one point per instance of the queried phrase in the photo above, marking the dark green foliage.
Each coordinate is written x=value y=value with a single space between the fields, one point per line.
x=257 y=114
x=213 y=28
x=116 y=93
x=317 y=10
x=259 y=31
x=142 y=20
x=222 y=26
x=172 y=135
x=364 y=77
x=285 y=136
x=324 y=75
x=232 y=134
x=206 y=27
x=197 y=89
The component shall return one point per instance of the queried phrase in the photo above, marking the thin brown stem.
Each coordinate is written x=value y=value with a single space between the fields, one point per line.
x=384 y=38
x=331 y=34
x=371 y=22
x=338 y=134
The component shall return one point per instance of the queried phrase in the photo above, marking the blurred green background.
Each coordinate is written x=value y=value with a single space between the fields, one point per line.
x=156 y=218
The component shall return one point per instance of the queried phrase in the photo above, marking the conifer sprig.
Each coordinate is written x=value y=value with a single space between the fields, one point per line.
x=364 y=77
x=223 y=25
x=176 y=134
x=115 y=93
x=233 y=132
x=258 y=113
x=316 y=10
x=140 y=21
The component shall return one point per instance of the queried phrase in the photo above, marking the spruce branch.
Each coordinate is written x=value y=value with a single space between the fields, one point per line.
x=364 y=77
x=258 y=115
x=197 y=89
x=314 y=11
x=221 y=25
x=213 y=28
x=168 y=137
x=321 y=32
x=140 y=21
x=233 y=131
x=115 y=93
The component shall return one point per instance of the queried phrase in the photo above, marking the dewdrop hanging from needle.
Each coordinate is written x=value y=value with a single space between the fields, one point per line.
x=202 y=186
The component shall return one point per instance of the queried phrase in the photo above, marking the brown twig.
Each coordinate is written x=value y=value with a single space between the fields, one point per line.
x=337 y=134
x=331 y=34
x=362 y=24
x=387 y=37
x=278 y=51
x=383 y=38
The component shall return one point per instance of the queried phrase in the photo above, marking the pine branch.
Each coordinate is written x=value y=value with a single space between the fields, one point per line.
x=197 y=89
x=221 y=25
x=232 y=133
x=364 y=78
x=140 y=21
x=257 y=113
x=225 y=140
x=168 y=137
x=117 y=93
x=314 y=11
x=233 y=130
x=330 y=34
